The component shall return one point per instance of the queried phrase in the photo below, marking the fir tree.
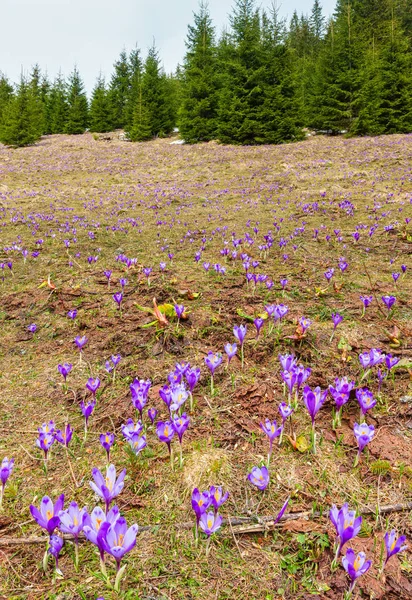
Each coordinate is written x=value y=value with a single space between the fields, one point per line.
x=6 y=93
x=22 y=120
x=57 y=106
x=135 y=81
x=156 y=96
x=119 y=91
x=100 y=113
x=199 y=91
x=140 y=130
x=77 y=113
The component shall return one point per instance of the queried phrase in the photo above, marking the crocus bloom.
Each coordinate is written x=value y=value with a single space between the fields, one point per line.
x=137 y=442
x=179 y=310
x=80 y=341
x=239 y=331
x=301 y=374
x=192 y=376
x=258 y=323
x=107 y=487
x=280 y=311
x=336 y=319
x=87 y=410
x=72 y=519
x=130 y=428
x=56 y=544
x=64 y=369
x=355 y=565
x=118 y=298
x=107 y=441
x=305 y=323
x=119 y=539
x=285 y=411
x=259 y=476
x=93 y=526
x=46 y=427
x=116 y=358
x=272 y=431
x=365 y=399
x=200 y=502
x=32 y=328
x=165 y=432
x=180 y=425
x=287 y=361
x=210 y=522
x=72 y=314
x=289 y=377
x=45 y=442
x=152 y=413
x=140 y=390
x=391 y=361
x=6 y=469
x=389 y=301
x=230 y=350
x=364 y=434
x=394 y=545
x=64 y=437
x=346 y=524
x=366 y=300
x=93 y=385
x=283 y=283
x=166 y=395
x=179 y=395
x=213 y=361
x=314 y=400
x=217 y=497
x=47 y=517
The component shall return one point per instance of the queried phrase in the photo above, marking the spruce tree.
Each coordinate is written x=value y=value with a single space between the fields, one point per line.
x=6 y=93
x=22 y=120
x=140 y=129
x=156 y=96
x=77 y=113
x=57 y=106
x=135 y=81
x=100 y=113
x=119 y=90
x=199 y=91
x=36 y=87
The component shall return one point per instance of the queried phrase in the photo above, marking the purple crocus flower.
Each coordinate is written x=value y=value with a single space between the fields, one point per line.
x=179 y=310
x=289 y=377
x=47 y=428
x=32 y=328
x=118 y=298
x=152 y=413
x=213 y=361
x=93 y=527
x=87 y=410
x=64 y=369
x=216 y=496
x=179 y=396
x=301 y=374
x=6 y=469
x=258 y=323
x=394 y=545
x=192 y=376
x=123 y=282
x=200 y=502
x=239 y=331
x=137 y=442
x=283 y=283
x=346 y=524
x=116 y=358
x=119 y=540
x=230 y=350
x=93 y=385
x=107 y=487
x=366 y=301
x=140 y=390
x=364 y=434
x=365 y=399
x=56 y=544
x=355 y=565
x=391 y=361
x=72 y=314
x=131 y=428
x=272 y=431
x=80 y=342
x=389 y=301
x=210 y=522
x=259 y=477
x=107 y=441
x=180 y=425
x=285 y=411
x=305 y=323
x=314 y=400
x=336 y=319
x=166 y=395
x=72 y=519
x=45 y=441
x=107 y=274
x=47 y=517
x=165 y=433
x=287 y=361
x=280 y=311
x=64 y=437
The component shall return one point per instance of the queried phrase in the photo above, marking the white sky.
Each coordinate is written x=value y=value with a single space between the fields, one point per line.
x=91 y=33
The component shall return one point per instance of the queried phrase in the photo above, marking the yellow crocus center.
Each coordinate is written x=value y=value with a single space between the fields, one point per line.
x=120 y=539
x=107 y=439
x=98 y=523
x=356 y=564
x=49 y=514
x=109 y=484
x=166 y=432
x=75 y=521
x=210 y=523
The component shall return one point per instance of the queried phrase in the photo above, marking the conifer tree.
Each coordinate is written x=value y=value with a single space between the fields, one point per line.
x=140 y=129
x=77 y=113
x=199 y=91
x=156 y=95
x=6 y=93
x=119 y=91
x=100 y=113
x=57 y=106
x=134 y=93
x=22 y=120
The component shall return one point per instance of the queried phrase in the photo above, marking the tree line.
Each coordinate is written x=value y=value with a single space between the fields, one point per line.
x=261 y=81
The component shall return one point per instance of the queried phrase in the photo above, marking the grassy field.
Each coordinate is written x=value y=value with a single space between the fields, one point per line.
x=80 y=203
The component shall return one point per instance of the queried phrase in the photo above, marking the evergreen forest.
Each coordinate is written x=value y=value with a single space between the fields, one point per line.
x=262 y=80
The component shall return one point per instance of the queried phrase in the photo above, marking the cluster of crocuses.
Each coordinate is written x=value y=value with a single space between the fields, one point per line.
x=209 y=521
x=347 y=526
x=48 y=434
x=106 y=529
x=181 y=383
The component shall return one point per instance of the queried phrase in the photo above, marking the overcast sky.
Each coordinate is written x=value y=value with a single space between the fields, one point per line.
x=91 y=33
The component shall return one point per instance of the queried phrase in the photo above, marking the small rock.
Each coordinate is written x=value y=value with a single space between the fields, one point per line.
x=406 y=399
